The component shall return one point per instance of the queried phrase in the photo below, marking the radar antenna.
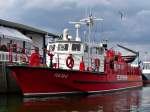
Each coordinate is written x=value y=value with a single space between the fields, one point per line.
x=77 y=26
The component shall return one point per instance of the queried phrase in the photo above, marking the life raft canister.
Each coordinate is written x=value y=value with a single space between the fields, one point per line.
x=82 y=66
x=70 y=61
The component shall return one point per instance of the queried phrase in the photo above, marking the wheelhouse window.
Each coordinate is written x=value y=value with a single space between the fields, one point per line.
x=100 y=51
x=146 y=66
x=63 y=47
x=76 y=47
x=92 y=50
x=96 y=50
x=86 y=49
x=51 y=47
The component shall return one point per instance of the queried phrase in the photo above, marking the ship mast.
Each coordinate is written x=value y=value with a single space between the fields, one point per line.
x=89 y=21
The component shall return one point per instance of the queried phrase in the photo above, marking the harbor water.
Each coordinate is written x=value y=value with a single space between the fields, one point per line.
x=135 y=100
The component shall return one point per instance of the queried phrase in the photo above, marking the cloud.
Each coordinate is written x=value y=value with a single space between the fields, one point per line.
x=62 y=4
x=143 y=13
x=5 y=5
x=53 y=16
x=131 y=29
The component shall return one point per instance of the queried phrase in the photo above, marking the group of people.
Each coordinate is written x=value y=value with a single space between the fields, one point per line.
x=34 y=59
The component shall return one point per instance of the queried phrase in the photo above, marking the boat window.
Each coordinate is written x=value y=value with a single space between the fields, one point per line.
x=146 y=66
x=62 y=47
x=93 y=50
x=100 y=51
x=51 y=47
x=86 y=49
x=96 y=50
x=76 y=47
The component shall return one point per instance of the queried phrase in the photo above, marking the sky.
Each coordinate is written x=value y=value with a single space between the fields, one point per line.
x=126 y=22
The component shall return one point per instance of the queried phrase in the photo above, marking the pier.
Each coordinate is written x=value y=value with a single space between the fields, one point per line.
x=15 y=34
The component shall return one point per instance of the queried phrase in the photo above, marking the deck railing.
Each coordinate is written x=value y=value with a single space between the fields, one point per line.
x=16 y=58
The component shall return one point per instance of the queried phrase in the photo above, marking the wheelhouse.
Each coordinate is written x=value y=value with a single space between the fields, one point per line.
x=79 y=51
x=146 y=68
x=146 y=65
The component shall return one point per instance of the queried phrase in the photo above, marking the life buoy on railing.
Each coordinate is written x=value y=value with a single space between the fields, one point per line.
x=70 y=61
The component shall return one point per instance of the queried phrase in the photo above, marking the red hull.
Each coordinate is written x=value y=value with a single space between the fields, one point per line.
x=45 y=81
x=146 y=82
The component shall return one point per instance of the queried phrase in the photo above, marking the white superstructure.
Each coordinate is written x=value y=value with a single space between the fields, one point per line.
x=146 y=68
x=62 y=49
x=91 y=54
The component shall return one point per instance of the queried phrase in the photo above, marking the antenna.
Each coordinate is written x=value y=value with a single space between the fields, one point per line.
x=77 y=26
x=84 y=32
x=122 y=15
x=89 y=21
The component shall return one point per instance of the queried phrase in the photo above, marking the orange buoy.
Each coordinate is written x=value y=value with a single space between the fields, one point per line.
x=82 y=66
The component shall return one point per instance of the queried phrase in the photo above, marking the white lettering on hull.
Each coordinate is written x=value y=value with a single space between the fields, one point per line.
x=61 y=75
x=122 y=77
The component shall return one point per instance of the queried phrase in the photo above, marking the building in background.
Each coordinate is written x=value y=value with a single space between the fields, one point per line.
x=37 y=35
x=14 y=36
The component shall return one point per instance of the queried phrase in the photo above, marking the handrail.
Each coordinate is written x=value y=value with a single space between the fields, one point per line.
x=4 y=57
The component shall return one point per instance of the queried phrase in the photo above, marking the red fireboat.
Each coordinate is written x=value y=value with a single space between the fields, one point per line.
x=77 y=67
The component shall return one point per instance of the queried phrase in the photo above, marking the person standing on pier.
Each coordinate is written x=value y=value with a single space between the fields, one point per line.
x=35 y=58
